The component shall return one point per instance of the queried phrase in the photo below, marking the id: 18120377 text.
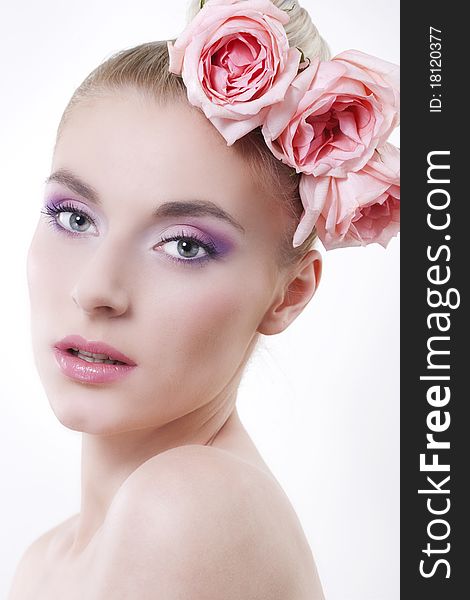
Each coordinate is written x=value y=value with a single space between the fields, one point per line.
x=435 y=69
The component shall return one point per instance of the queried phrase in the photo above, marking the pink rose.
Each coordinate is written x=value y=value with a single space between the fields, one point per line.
x=235 y=61
x=356 y=210
x=335 y=114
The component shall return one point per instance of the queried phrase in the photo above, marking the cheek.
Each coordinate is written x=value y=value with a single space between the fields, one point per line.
x=49 y=275
x=203 y=327
x=53 y=264
x=41 y=268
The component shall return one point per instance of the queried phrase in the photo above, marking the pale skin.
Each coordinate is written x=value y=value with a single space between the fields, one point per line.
x=176 y=501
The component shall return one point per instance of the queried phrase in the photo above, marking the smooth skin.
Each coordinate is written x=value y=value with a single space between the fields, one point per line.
x=176 y=501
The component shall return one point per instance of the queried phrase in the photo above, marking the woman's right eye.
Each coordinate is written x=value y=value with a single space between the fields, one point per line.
x=75 y=221
x=69 y=218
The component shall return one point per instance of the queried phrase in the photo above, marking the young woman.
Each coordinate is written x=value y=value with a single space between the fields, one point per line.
x=188 y=184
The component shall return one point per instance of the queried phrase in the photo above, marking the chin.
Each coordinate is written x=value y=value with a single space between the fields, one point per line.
x=75 y=417
x=82 y=410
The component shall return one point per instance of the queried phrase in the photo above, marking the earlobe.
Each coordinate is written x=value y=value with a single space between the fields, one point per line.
x=294 y=296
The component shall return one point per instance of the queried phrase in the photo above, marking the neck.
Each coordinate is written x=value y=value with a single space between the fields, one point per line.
x=108 y=460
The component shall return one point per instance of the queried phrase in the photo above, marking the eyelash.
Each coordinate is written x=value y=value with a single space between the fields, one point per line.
x=53 y=211
x=207 y=246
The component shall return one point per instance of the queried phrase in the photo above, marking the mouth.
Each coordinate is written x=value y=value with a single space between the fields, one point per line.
x=94 y=358
x=91 y=362
x=93 y=351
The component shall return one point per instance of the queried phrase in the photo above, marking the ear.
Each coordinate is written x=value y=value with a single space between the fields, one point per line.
x=294 y=295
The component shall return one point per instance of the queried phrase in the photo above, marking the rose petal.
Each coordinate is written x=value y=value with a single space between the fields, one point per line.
x=356 y=210
x=335 y=115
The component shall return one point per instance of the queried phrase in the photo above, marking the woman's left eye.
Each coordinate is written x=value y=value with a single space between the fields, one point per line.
x=184 y=248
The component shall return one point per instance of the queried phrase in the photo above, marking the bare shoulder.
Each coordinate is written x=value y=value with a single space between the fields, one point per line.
x=197 y=521
x=31 y=558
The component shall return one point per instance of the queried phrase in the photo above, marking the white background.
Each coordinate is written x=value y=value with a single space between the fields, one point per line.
x=320 y=400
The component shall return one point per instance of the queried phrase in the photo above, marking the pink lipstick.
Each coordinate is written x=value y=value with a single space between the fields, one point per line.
x=91 y=362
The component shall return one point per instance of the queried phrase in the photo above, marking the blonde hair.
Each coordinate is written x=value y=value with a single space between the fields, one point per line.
x=145 y=68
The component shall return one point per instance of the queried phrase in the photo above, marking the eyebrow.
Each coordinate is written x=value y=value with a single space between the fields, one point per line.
x=196 y=208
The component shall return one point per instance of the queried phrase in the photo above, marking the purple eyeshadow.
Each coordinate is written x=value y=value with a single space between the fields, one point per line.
x=203 y=232
x=53 y=206
x=222 y=244
x=56 y=201
x=216 y=244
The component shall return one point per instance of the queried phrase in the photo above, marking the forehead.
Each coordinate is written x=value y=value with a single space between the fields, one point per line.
x=131 y=149
x=134 y=142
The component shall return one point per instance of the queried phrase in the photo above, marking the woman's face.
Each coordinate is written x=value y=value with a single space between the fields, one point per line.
x=173 y=262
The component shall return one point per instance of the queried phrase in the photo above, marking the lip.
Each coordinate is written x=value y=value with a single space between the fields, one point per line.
x=77 y=341
x=88 y=372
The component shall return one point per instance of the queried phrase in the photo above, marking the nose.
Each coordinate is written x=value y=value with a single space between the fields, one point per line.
x=100 y=287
